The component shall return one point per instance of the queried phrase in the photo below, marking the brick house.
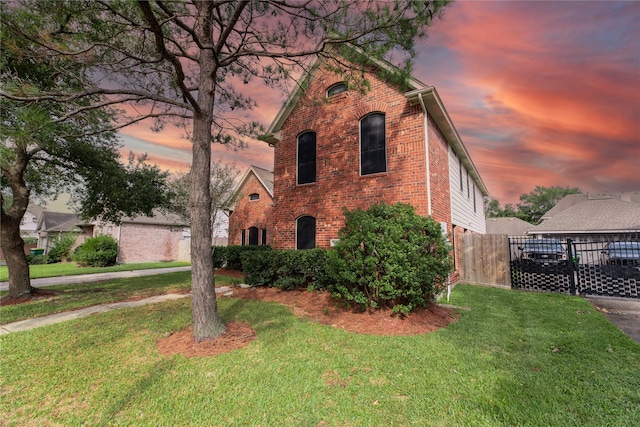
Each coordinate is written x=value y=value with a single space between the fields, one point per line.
x=250 y=217
x=162 y=237
x=336 y=147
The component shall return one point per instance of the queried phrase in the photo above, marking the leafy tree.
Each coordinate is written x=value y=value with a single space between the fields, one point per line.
x=51 y=147
x=188 y=62
x=535 y=204
x=492 y=209
x=389 y=256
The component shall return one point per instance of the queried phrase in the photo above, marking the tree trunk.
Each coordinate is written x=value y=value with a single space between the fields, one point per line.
x=207 y=324
x=13 y=245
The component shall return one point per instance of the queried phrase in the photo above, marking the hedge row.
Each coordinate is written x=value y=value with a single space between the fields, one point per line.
x=283 y=268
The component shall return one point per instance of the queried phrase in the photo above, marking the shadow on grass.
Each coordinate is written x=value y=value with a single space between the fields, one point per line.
x=157 y=373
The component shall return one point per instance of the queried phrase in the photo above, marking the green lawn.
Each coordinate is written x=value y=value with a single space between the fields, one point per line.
x=71 y=269
x=514 y=359
x=74 y=296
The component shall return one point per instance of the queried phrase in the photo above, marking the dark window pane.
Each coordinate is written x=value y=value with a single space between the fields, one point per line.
x=306 y=232
x=243 y=237
x=264 y=236
x=337 y=88
x=254 y=196
x=373 y=157
x=253 y=236
x=307 y=158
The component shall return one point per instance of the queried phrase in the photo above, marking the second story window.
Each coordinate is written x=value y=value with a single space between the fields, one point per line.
x=336 y=89
x=373 y=157
x=307 y=158
x=254 y=196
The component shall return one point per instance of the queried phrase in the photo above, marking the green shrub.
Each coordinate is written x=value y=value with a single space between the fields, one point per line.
x=100 y=251
x=389 y=256
x=30 y=241
x=38 y=259
x=219 y=255
x=286 y=268
x=231 y=256
x=62 y=249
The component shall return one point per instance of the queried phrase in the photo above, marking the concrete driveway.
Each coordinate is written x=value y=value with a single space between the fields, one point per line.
x=623 y=312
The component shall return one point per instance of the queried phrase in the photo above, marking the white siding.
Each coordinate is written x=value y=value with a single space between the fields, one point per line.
x=463 y=212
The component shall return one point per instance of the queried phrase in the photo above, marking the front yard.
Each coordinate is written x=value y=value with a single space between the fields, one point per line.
x=513 y=359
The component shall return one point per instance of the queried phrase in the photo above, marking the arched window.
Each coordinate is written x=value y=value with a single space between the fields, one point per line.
x=373 y=157
x=336 y=89
x=307 y=158
x=254 y=196
x=306 y=232
x=253 y=236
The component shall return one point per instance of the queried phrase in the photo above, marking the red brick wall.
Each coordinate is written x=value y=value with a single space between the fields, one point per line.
x=339 y=184
x=251 y=213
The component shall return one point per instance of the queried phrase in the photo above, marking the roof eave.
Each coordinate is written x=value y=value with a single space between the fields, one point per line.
x=438 y=112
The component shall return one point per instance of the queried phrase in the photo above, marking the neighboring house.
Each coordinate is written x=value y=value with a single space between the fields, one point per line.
x=53 y=225
x=162 y=237
x=509 y=226
x=336 y=147
x=30 y=220
x=600 y=216
x=250 y=217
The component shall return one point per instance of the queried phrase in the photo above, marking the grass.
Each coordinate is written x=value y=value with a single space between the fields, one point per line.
x=71 y=297
x=514 y=359
x=71 y=269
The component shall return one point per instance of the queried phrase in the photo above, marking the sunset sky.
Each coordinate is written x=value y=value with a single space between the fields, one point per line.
x=542 y=93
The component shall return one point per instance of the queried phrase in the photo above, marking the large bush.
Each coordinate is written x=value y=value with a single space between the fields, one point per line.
x=100 y=251
x=389 y=256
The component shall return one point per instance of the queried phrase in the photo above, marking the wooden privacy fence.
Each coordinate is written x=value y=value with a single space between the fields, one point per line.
x=484 y=259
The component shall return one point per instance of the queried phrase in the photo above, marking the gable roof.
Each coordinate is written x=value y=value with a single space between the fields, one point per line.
x=510 y=226
x=264 y=176
x=34 y=209
x=418 y=93
x=592 y=213
x=59 y=222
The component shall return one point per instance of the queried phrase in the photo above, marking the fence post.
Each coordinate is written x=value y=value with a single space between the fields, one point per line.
x=571 y=265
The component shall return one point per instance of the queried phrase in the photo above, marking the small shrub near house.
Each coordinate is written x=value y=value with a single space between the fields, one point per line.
x=100 y=251
x=389 y=256
x=62 y=249
x=230 y=257
x=286 y=268
x=30 y=241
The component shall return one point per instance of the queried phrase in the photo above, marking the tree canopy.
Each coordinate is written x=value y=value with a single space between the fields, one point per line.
x=50 y=147
x=532 y=205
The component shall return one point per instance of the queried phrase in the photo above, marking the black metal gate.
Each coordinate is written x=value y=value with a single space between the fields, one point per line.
x=594 y=267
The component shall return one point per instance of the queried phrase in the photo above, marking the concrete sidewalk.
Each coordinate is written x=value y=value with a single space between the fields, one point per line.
x=96 y=277
x=36 y=322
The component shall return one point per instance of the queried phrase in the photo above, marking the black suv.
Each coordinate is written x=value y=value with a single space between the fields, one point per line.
x=621 y=253
x=543 y=253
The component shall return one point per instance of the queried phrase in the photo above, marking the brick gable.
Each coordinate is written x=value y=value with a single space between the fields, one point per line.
x=251 y=213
